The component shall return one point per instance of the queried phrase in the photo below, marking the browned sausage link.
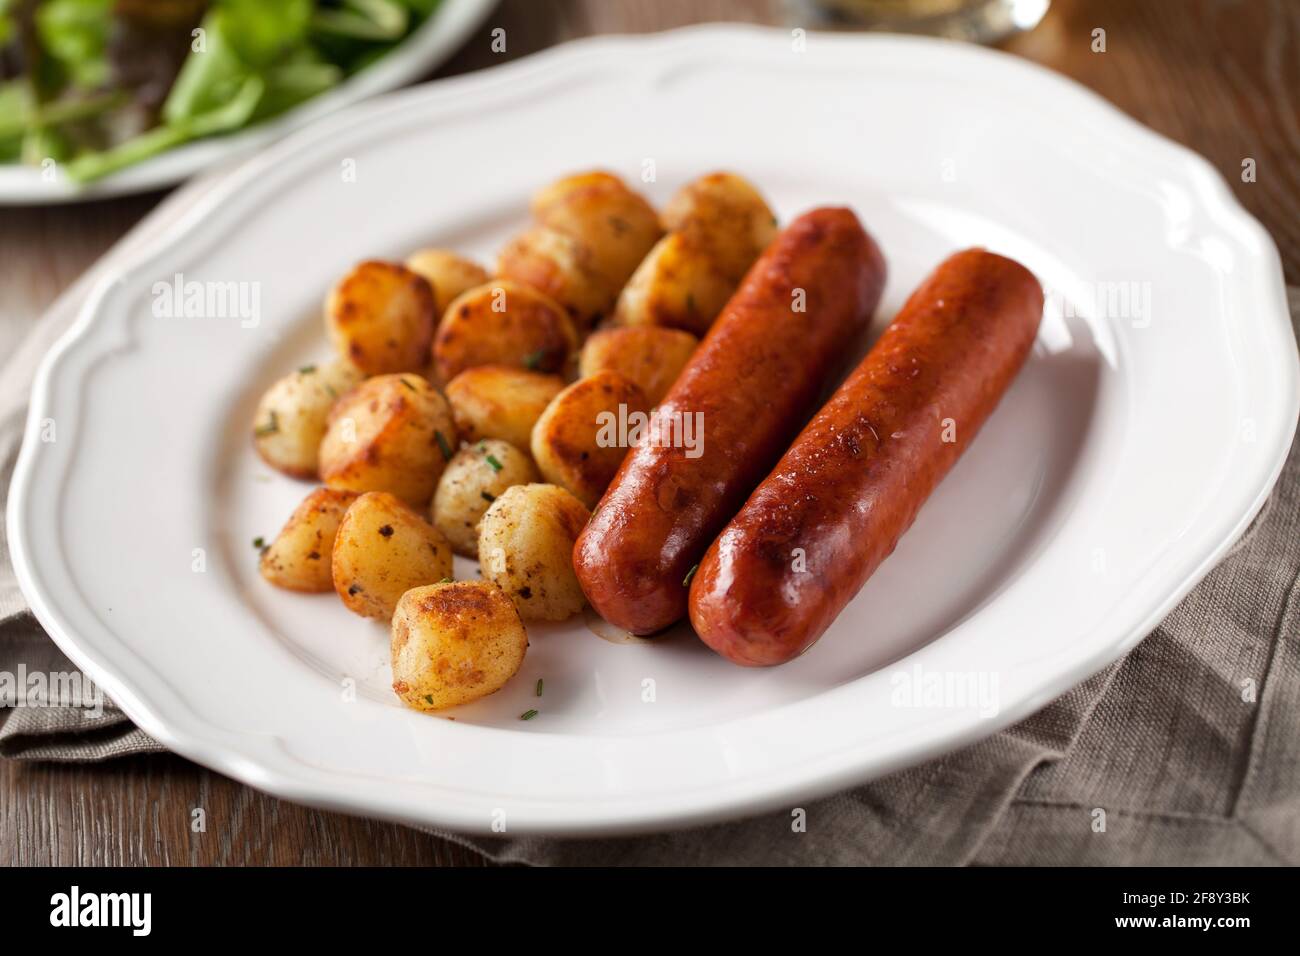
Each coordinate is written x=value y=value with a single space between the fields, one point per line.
x=852 y=482
x=750 y=385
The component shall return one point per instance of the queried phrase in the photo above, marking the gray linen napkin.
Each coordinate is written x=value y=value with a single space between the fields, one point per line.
x=1184 y=752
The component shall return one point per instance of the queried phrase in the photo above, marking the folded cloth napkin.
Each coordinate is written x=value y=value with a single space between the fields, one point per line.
x=1184 y=752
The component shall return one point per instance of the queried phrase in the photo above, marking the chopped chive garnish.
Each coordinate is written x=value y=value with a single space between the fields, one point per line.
x=534 y=359
x=686 y=581
x=270 y=428
x=428 y=698
x=446 y=581
x=330 y=389
x=407 y=384
x=539 y=687
x=259 y=542
x=442 y=444
x=496 y=465
x=528 y=715
x=488 y=497
x=307 y=369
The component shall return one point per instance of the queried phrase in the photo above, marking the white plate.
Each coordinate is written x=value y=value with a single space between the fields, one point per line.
x=1135 y=447
x=434 y=42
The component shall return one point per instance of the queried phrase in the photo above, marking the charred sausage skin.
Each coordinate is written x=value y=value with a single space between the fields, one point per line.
x=836 y=504
x=751 y=384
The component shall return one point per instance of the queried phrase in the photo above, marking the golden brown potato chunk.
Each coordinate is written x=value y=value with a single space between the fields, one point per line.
x=382 y=549
x=291 y=417
x=560 y=266
x=454 y=643
x=499 y=401
x=391 y=433
x=650 y=356
x=478 y=475
x=679 y=285
x=584 y=434
x=526 y=548
x=448 y=273
x=730 y=213
x=503 y=323
x=300 y=558
x=381 y=317
x=718 y=225
x=597 y=208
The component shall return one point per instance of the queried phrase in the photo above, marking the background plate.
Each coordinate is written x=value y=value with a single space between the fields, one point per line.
x=1143 y=435
x=433 y=43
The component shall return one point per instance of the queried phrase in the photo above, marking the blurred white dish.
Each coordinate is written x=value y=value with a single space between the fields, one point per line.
x=433 y=43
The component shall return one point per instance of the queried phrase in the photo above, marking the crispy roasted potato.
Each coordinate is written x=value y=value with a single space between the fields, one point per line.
x=475 y=478
x=499 y=401
x=448 y=274
x=597 y=208
x=391 y=433
x=560 y=191
x=718 y=225
x=291 y=417
x=503 y=323
x=300 y=557
x=650 y=356
x=730 y=214
x=525 y=546
x=382 y=549
x=679 y=285
x=564 y=268
x=580 y=440
x=381 y=318
x=454 y=643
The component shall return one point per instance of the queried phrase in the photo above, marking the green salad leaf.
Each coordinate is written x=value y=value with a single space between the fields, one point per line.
x=210 y=76
x=363 y=19
x=96 y=100
x=296 y=80
x=261 y=32
x=233 y=114
x=75 y=33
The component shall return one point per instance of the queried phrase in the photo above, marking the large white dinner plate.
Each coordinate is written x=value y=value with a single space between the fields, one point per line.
x=1141 y=438
x=431 y=44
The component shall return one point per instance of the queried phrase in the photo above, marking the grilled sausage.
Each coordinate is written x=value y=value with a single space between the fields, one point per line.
x=750 y=385
x=838 y=501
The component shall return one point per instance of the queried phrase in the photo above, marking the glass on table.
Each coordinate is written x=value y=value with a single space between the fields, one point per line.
x=978 y=21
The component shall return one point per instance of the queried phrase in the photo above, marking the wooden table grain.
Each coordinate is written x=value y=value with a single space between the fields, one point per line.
x=1222 y=77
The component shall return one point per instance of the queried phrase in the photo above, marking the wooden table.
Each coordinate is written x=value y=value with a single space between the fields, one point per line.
x=1221 y=77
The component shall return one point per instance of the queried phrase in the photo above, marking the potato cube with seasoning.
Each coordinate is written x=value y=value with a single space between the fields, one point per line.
x=382 y=549
x=454 y=643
